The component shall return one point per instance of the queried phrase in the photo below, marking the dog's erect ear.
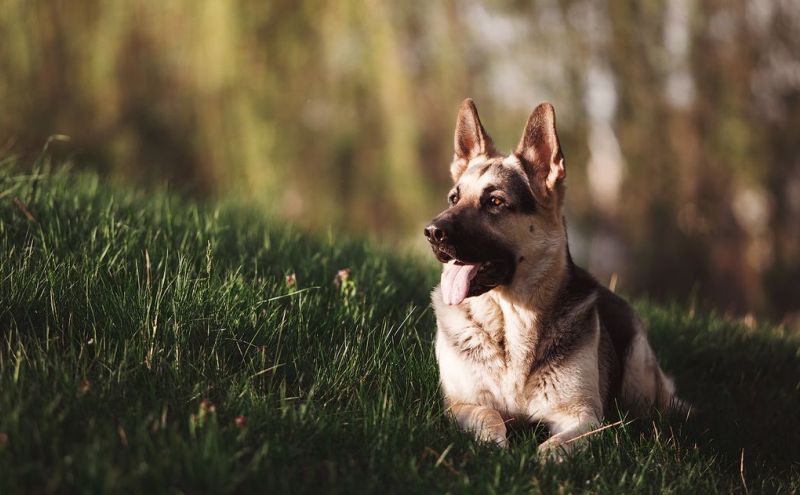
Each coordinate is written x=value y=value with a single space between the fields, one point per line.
x=540 y=152
x=471 y=140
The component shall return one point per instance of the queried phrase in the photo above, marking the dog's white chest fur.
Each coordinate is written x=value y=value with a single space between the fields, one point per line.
x=486 y=349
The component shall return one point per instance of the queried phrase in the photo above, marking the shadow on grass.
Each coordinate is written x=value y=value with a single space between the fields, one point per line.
x=743 y=384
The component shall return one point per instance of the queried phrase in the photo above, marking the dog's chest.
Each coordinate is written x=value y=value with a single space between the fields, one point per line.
x=486 y=352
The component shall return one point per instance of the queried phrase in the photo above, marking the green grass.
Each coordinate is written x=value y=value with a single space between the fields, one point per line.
x=120 y=312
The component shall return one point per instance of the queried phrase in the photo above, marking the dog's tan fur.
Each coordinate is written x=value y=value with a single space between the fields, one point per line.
x=551 y=345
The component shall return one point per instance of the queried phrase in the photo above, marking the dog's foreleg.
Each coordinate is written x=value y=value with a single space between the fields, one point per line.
x=565 y=431
x=486 y=423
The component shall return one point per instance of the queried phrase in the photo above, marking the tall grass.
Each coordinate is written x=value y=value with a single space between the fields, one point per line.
x=151 y=344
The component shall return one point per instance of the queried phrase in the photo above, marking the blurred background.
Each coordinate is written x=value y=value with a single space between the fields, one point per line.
x=680 y=120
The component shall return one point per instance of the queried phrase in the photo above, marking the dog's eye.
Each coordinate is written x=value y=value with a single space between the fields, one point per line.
x=495 y=201
x=452 y=199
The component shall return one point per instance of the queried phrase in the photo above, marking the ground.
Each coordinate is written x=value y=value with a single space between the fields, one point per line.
x=151 y=344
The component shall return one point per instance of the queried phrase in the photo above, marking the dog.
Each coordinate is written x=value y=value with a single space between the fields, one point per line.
x=522 y=331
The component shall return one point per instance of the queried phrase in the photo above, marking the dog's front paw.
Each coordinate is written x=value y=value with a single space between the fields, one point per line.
x=494 y=434
x=555 y=449
x=484 y=422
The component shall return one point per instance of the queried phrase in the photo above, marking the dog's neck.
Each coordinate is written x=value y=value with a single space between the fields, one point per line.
x=537 y=283
x=528 y=303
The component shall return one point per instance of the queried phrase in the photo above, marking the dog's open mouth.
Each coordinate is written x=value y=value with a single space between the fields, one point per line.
x=461 y=280
x=456 y=279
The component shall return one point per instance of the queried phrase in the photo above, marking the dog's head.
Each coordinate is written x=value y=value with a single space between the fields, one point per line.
x=504 y=218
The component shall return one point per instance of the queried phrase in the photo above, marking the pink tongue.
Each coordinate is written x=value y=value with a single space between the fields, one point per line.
x=455 y=281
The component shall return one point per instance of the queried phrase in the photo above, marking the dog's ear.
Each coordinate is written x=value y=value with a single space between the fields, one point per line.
x=471 y=140
x=540 y=152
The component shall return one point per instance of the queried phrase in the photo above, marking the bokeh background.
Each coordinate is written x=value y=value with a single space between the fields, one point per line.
x=680 y=119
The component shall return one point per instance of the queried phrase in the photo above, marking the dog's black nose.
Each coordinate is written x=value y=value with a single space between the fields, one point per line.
x=434 y=234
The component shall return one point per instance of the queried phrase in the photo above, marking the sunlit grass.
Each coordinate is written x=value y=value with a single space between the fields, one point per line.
x=152 y=344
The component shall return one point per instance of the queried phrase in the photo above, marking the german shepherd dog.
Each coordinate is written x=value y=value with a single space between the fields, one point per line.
x=522 y=331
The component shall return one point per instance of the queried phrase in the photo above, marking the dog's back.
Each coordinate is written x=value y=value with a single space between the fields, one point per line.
x=632 y=371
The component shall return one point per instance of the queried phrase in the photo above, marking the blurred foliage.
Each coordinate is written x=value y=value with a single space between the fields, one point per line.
x=679 y=119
